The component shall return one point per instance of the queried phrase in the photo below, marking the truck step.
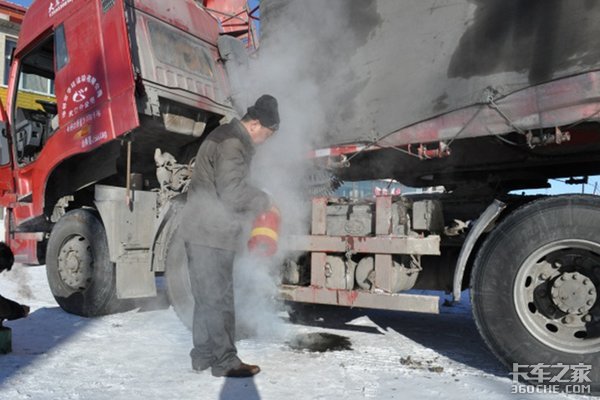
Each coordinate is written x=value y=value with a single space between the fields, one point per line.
x=361 y=299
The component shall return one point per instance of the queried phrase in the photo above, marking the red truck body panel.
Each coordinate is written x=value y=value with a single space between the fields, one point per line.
x=180 y=65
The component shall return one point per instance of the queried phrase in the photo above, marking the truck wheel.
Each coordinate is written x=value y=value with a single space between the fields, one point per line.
x=80 y=274
x=535 y=288
x=179 y=288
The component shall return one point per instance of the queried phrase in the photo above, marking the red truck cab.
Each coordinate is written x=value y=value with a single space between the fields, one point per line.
x=142 y=71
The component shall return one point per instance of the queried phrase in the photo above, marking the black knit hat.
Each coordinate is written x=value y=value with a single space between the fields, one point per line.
x=265 y=111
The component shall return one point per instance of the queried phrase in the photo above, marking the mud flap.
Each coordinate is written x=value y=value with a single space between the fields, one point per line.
x=129 y=233
x=134 y=277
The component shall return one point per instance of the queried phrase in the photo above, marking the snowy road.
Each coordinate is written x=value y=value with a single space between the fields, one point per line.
x=143 y=354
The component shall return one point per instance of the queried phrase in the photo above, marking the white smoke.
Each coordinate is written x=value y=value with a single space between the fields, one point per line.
x=256 y=307
x=282 y=163
x=290 y=67
x=19 y=276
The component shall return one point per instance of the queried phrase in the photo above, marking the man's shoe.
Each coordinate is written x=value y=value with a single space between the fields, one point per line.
x=243 y=371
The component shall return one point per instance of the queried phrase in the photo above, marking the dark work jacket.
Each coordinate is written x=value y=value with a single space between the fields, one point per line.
x=220 y=199
x=10 y=310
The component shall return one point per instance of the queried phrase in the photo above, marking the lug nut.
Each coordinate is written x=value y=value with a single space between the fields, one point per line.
x=581 y=310
x=587 y=318
x=557 y=283
x=543 y=276
x=590 y=303
x=591 y=292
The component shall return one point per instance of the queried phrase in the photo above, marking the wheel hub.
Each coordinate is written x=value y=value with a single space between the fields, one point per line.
x=556 y=293
x=573 y=293
x=75 y=262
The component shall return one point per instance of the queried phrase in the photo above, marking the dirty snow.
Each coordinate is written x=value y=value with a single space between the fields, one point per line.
x=143 y=354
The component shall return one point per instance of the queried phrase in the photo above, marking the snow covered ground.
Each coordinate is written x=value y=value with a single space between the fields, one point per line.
x=143 y=354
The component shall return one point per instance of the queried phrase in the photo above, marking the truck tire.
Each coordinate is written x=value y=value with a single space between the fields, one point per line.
x=179 y=289
x=535 y=286
x=80 y=273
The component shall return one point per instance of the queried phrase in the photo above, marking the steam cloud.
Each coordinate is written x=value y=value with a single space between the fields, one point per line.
x=288 y=67
x=19 y=276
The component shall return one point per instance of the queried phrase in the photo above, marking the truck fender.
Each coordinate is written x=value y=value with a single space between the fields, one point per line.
x=159 y=238
x=485 y=220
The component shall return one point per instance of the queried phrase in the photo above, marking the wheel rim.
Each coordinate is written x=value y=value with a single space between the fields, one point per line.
x=76 y=262
x=556 y=295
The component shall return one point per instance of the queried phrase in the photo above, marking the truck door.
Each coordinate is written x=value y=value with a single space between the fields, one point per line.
x=7 y=183
x=95 y=88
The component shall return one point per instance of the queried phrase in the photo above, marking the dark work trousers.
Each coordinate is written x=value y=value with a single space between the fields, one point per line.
x=211 y=278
